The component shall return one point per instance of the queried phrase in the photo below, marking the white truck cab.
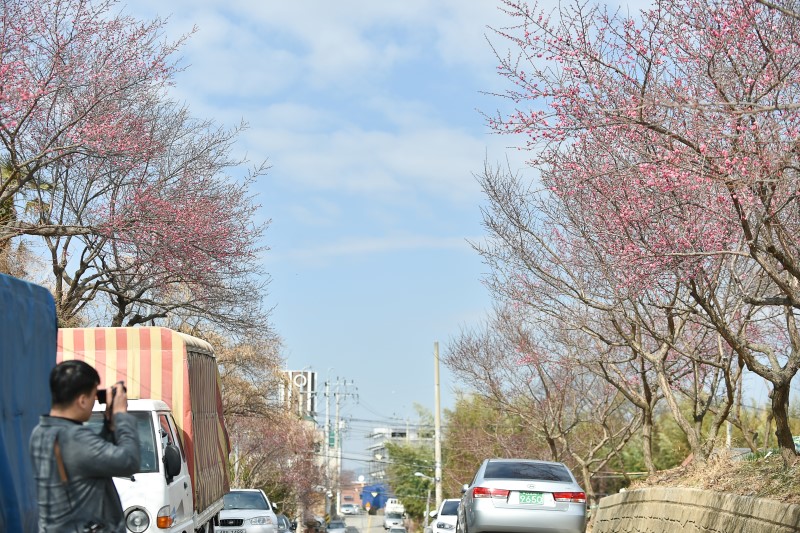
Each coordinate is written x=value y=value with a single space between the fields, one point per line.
x=158 y=498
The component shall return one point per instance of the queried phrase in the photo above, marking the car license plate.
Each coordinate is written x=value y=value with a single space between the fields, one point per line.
x=531 y=497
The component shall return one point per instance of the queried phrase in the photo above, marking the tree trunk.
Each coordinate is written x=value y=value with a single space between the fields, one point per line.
x=688 y=429
x=647 y=441
x=780 y=413
x=591 y=497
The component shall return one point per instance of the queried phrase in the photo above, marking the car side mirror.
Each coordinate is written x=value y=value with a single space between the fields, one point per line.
x=172 y=462
x=464 y=489
x=432 y=514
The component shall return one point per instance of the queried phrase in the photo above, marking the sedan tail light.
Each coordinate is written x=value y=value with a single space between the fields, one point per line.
x=573 y=497
x=486 y=492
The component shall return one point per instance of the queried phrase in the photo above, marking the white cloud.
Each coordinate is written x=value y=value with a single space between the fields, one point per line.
x=322 y=43
x=368 y=245
x=246 y=52
x=437 y=160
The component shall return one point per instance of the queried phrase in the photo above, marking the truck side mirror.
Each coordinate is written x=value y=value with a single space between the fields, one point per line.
x=172 y=461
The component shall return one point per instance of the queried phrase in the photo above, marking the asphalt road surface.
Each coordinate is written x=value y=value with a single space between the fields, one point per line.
x=366 y=523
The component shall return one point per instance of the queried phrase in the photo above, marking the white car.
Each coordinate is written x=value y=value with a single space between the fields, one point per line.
x=391 y=520
x=350 y=508
x=445 y=517
x=247 y=511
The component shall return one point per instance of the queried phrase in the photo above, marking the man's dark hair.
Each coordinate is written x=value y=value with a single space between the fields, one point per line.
x=70 y=379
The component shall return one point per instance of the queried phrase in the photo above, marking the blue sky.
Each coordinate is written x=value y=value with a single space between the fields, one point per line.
x=368 y=114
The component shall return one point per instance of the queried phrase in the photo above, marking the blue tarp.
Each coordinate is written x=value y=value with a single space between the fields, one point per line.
x=28 y=333
x=376 y=495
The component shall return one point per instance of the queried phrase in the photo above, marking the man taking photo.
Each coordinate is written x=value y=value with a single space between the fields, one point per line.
x=73 y=464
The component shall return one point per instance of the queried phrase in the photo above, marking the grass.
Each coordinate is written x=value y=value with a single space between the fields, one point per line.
x=756 y=475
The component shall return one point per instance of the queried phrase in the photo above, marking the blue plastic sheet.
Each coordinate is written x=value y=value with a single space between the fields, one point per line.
x=376 y=495
x=28 y=332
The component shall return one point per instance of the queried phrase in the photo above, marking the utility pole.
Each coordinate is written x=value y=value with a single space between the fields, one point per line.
x=338 y=443
x=437 y=425
x=326 y=447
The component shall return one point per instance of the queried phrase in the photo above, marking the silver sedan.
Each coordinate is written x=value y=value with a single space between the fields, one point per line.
x=522 y=496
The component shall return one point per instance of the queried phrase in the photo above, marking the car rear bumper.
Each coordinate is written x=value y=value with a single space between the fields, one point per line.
x=507 y=520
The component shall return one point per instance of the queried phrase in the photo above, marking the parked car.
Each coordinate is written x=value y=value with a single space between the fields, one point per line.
x=522 y=496
x=350 y=508
x=284 y=524
x=351 y=529
x=445 y=517
x=247 y=511
x=391 y=520
x=336 y=526
x=315 y=524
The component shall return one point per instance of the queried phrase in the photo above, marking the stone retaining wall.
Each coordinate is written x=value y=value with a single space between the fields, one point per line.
x=668 y=510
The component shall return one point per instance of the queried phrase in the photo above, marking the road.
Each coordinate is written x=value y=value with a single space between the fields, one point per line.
x=366 y=523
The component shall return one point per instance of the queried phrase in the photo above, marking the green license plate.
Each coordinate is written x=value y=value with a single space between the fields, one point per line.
x=531 y=497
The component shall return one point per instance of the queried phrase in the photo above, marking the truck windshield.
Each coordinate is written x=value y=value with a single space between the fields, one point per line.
x=144 y=428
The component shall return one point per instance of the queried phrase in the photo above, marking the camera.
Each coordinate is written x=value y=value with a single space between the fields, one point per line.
x=102 y=394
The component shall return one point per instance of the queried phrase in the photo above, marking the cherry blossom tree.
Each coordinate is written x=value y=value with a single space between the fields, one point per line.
x=646 y=344
x=576 y=416
x=674 y=135
x=271 y=447
x=133 y=197
x=78 y=81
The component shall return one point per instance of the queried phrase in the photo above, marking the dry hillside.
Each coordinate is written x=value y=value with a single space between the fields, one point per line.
x=762 y=478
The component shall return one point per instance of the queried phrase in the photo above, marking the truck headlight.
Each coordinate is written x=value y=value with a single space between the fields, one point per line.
x=137 y=521
x=261 y=520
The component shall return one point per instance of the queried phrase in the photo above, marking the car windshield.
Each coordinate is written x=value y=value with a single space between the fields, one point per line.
x=147 y=443
x=336 y=525
x=450 y=508
x=526 y=470
x=394 y=515
x=244 y=500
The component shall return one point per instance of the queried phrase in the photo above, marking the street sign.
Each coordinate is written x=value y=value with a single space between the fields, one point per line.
x=374 y=494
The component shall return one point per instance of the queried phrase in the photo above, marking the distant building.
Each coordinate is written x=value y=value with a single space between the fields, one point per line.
x=298 y=391
x=399 y=435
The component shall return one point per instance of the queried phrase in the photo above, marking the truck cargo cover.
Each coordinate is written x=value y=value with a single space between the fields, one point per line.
x=162 y=364
x=27 y=354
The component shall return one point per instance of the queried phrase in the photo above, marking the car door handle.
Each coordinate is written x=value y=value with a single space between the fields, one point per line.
x=185 y=485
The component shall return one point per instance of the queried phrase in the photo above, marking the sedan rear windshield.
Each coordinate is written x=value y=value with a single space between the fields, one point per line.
x=537 y=471
x=450 y=508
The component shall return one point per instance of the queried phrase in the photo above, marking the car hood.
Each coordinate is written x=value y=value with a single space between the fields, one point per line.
x=446 y=518
x=247 y=514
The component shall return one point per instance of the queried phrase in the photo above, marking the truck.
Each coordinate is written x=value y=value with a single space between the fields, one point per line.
x=393 y=505
x=174 y=393
x=27 y=354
